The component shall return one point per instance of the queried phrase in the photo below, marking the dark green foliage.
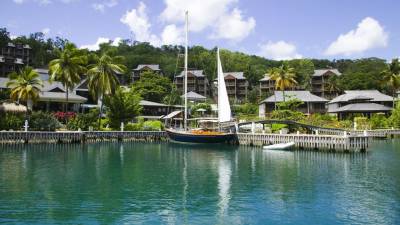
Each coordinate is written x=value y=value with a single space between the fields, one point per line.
x=84 y=120
x=152 y=87
x=11 y=121
x=303 y=68
x=290 y=104
x=5 y=94
x=202 y=105
x=245 y=109
x=4 y=37
x=378 y=121
x=287 y=110
x=363 y=74
x=394 y=119
x=172 y=98
x=254 y=96
x=122 y=107
x=41 y=121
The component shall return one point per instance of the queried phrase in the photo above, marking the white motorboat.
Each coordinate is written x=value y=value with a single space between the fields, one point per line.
x=281 y=146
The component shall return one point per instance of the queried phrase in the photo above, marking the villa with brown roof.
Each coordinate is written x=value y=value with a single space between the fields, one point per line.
x=145 y=67
x=196 y=82
x=320 y=80
x=236 y=86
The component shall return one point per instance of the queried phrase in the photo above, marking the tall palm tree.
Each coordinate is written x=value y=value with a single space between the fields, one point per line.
x=102 y=77
x=25 y=86
x=284 y=77
x=332 y=86
x=68 y=68
x=391 y=77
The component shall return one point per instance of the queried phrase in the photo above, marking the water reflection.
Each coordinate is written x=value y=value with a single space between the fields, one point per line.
x=224 y=183
x=133 y=183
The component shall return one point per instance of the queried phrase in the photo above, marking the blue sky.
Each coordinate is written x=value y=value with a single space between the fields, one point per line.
x=278 y=29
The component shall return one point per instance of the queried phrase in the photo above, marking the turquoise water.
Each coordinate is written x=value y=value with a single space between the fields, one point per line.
x=132 y=183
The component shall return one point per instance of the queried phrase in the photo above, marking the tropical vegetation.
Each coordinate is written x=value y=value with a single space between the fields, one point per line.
x=25 y=86
x=68 y=68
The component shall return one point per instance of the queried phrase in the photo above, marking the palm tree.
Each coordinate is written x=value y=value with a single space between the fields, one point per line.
x=391 y=77
x=332 y=86
x=25 y=86
x=102 y=77
x=284 y=77
x=68 y=68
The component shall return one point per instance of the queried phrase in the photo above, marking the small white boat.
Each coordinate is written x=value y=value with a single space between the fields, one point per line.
x=281 y=146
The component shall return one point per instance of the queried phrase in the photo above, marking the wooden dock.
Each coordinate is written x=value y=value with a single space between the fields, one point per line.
x=308 y=141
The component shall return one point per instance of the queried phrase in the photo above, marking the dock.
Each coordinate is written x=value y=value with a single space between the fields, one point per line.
x=309 y=141
x=80 y=136
x=303 y=141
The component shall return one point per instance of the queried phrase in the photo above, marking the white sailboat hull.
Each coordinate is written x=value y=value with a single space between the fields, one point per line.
x=281 y=146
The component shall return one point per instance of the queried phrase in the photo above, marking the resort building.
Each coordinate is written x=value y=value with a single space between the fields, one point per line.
x=311 y=103
x=196 y=82
x=236 y=86
x=145 y=67
x=53 y=97
x=320 y=81
x=14 y=57
x=267 y=86
x=364 y=102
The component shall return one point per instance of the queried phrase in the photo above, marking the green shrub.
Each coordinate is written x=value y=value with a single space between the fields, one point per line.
x=277 y=127
x=247 y=109
x=133 y=127
x=362 y=123
x=394 y=119
x=10 y=121
x=153 y=125
x=287 y=115
x=378 y=121
x=41 y=121
x=84 y=120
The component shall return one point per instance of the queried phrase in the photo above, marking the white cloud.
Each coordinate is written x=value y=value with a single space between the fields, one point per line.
x=101 y=40
x=369 y=34
x=139 y=24
x=172 y=35
x=19 y=1
x=280 y=50
x=101 y=7
x=232 y=26
x=202 y=13
x=46 y=31
x=224 y=21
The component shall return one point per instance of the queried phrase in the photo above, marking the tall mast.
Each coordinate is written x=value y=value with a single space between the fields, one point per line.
x=186 y=68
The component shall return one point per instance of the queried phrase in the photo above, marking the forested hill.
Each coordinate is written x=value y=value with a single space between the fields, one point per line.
x=357 y=74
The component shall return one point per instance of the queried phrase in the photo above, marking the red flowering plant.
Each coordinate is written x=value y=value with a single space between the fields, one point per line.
x=63 y=116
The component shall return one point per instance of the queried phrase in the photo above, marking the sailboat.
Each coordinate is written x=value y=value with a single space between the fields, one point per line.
x=224 y=110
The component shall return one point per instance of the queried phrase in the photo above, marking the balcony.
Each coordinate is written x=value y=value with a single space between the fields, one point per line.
x=18 y=61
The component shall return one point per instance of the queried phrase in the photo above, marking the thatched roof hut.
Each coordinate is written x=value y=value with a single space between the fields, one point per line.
x=12 y=107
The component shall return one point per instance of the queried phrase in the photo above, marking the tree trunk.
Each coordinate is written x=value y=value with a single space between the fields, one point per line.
x=100 y=111
x=66 y=97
